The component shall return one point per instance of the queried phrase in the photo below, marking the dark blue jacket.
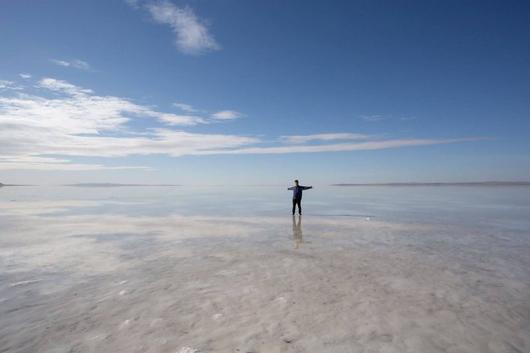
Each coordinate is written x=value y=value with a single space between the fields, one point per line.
x=297 y=191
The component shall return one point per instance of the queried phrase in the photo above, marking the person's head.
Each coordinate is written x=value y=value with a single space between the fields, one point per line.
x=296 y=182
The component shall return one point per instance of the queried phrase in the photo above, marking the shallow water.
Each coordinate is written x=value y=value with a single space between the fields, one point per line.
x=226 y=269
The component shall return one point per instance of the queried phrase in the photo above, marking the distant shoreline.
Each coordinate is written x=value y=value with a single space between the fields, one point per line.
x=484 y=183
x=1 y=185
x=111 y=185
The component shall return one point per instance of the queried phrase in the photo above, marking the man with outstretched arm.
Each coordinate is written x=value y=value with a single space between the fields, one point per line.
x=297 y=195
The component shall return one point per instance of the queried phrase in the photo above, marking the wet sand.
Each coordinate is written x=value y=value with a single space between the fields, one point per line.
x=181 y=284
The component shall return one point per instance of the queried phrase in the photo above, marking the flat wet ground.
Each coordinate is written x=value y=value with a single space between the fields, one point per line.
x=208 y=270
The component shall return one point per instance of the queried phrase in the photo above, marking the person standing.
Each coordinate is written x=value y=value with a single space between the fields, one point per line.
x=297 y=195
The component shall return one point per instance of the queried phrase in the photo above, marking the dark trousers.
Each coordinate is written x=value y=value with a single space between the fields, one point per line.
x=299 y=203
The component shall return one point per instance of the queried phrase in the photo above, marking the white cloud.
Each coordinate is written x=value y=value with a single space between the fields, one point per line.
x=175 y=119
x=63 y=87
x=76 y=122
x=192 y=35
x=60 y=62
x=185 y=107
x=226 y=115
x=47 y=129
x=25 y=76
x=299 y=139
x=213 y=117
x=75 y=63
x=6 y=85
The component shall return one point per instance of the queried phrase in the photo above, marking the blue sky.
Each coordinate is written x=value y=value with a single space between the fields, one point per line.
x=261 y=92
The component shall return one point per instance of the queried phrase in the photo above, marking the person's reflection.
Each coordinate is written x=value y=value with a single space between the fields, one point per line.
x=297 y=231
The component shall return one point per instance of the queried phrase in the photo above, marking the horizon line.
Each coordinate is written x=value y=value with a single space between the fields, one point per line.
x=436 y=183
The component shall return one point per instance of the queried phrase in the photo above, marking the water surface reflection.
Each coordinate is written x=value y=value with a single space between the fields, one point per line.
x=297 y=231
x=160 y=270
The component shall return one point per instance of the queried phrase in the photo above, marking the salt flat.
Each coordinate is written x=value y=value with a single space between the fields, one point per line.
x=204 y=270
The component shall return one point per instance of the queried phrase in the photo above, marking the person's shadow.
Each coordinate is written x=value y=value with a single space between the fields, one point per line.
x=297 y=231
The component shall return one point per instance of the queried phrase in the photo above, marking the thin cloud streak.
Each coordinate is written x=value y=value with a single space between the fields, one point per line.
x=185 y=107
x=222 y=115
x=75 y=63
x=345 y=147
x=376 y=118
x=373 y=118
x=300 y=139
x=226 y=115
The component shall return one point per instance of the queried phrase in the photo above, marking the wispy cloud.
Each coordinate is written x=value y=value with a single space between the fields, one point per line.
x=6 y=85
x=77 y=122
x=191 y=33
x=205 y=117
x=25 y=76
x=176 y=119
x=78 y=102
x=345 y=147
x=63 y=87
x=299 y=139
x=75 y=63
x=374 y=118
x=49 y=128
x=185 y=107
x=226 y=115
